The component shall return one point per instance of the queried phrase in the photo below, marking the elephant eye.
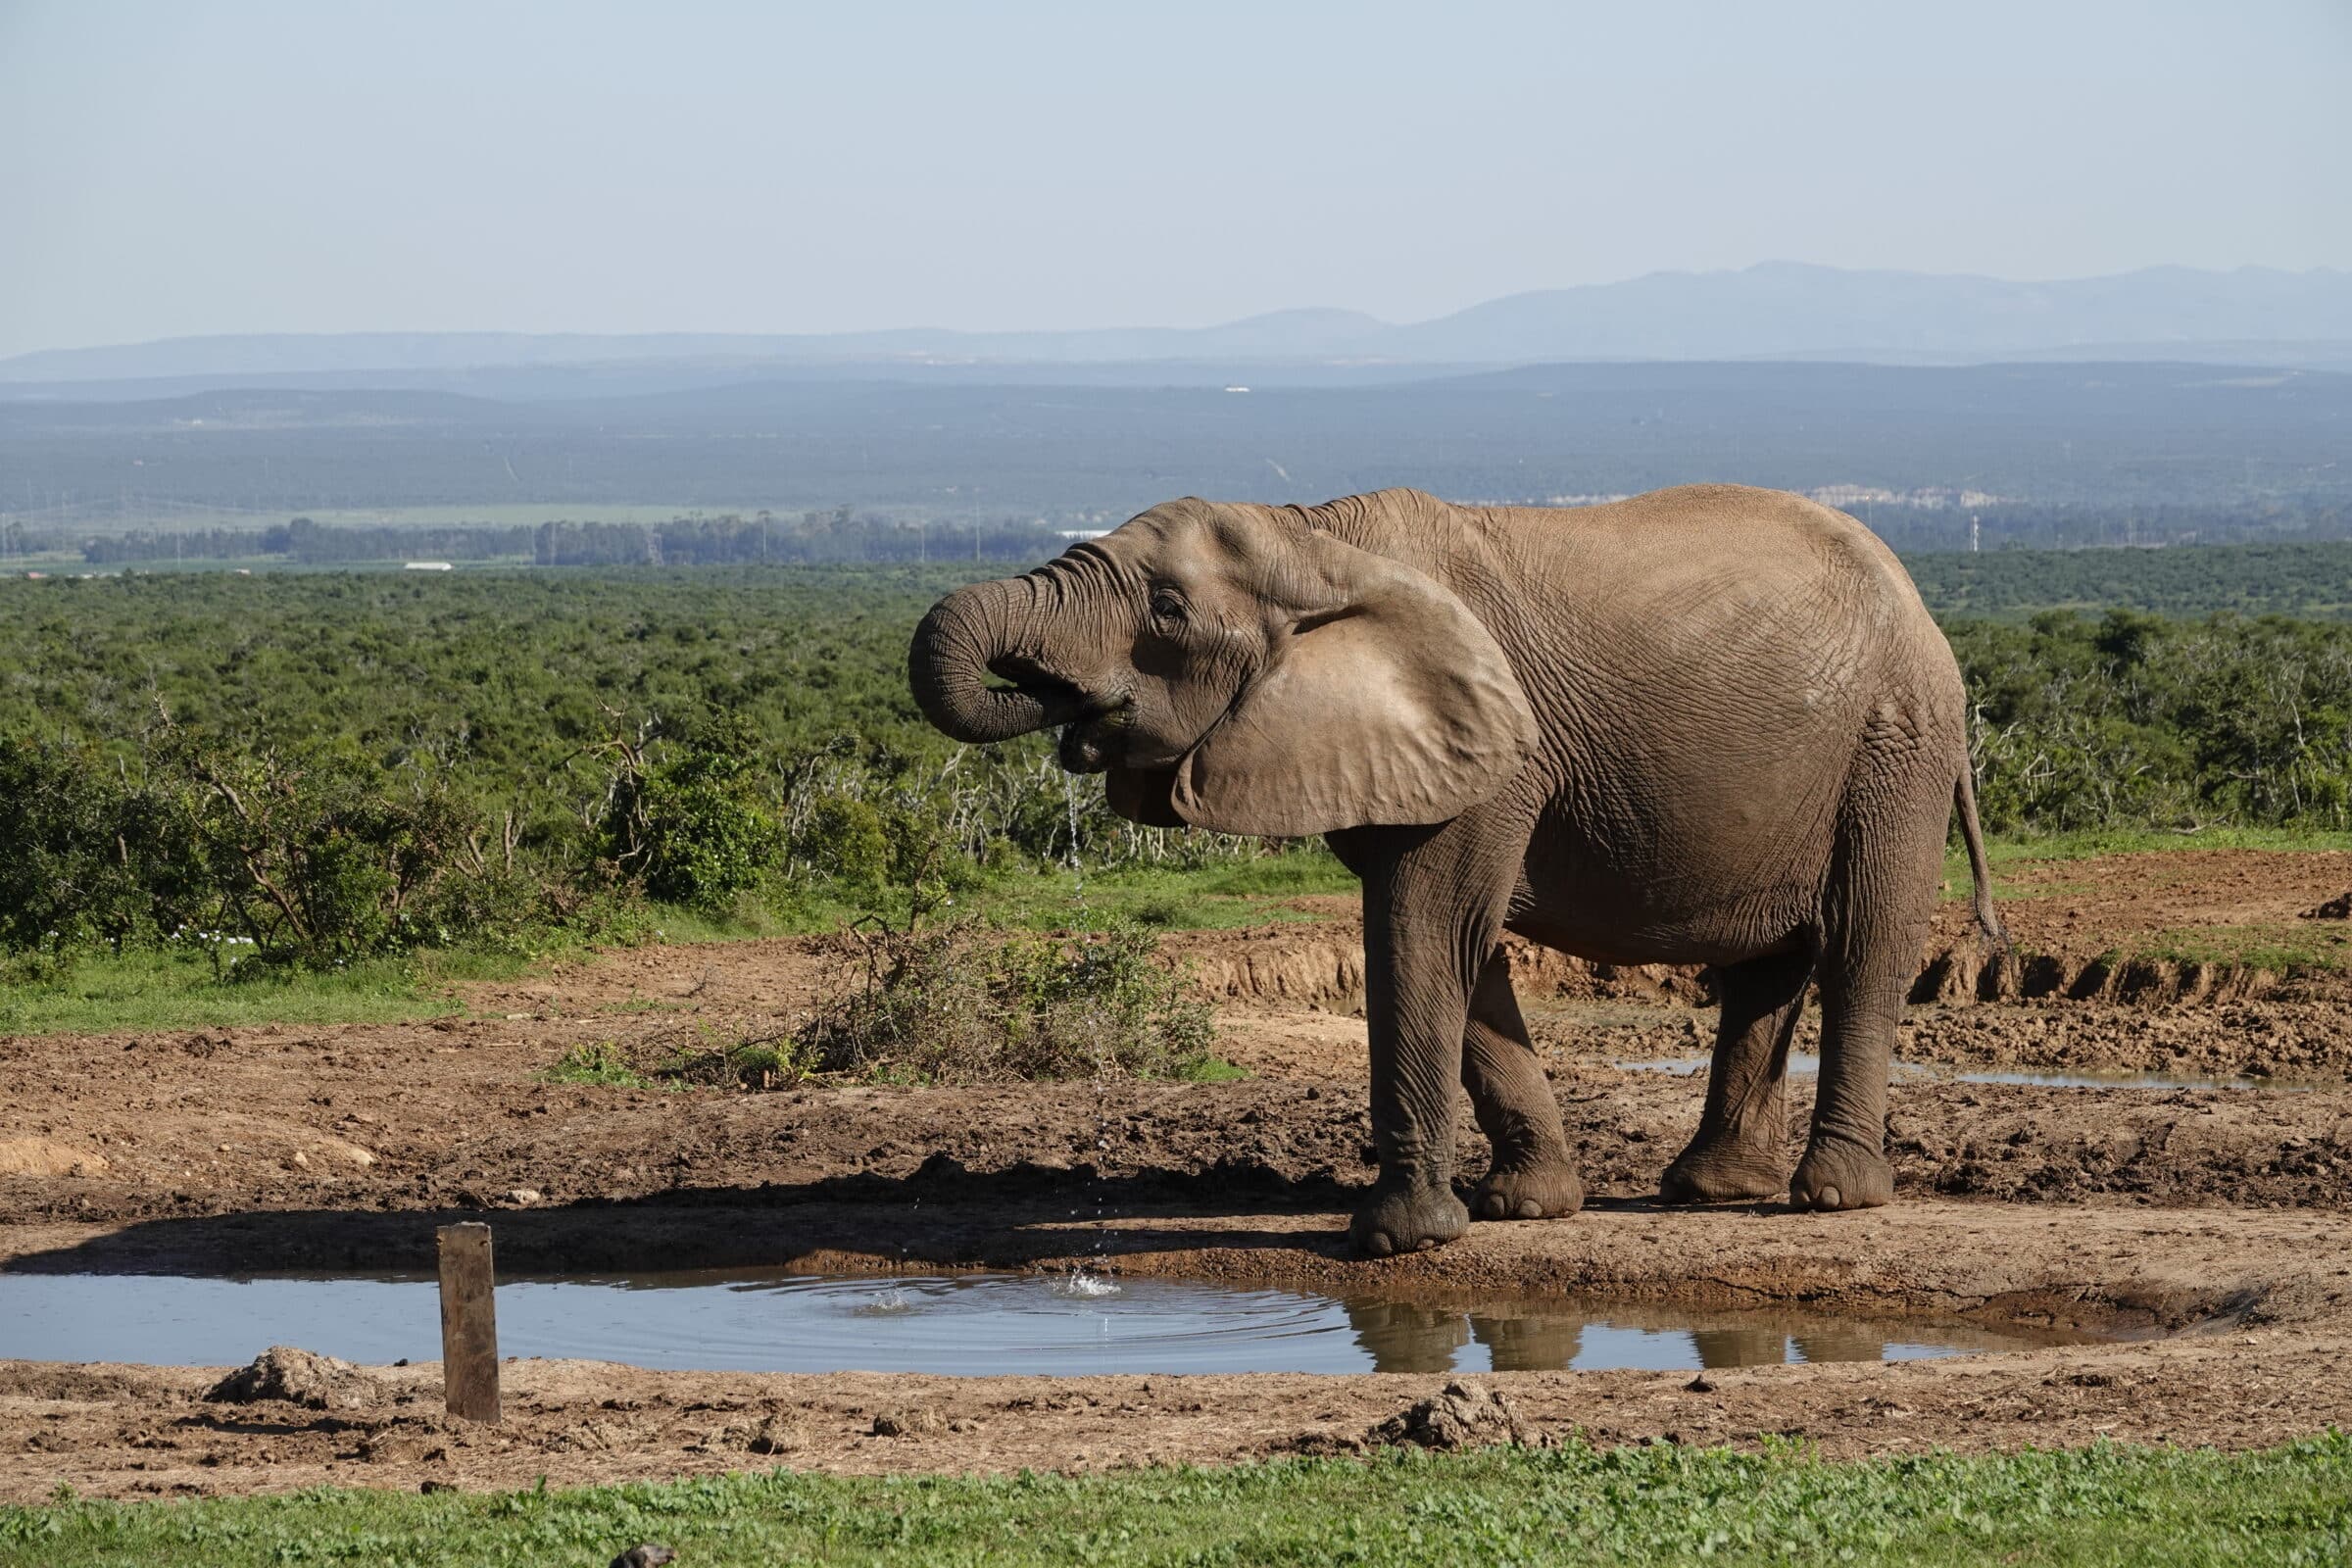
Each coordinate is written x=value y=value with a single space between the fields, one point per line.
x=1168 y=607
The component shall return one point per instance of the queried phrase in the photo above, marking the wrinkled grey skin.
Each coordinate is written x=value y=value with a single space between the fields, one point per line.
x=1706 y=726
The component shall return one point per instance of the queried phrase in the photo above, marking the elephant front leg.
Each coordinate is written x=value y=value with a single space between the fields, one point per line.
x=1428 y=925
x=1533 y=1175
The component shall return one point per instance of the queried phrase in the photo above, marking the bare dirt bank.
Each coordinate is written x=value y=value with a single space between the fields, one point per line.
x=2212 y=1219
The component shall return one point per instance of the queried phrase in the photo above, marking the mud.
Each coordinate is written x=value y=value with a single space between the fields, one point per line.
x=2212 y=1219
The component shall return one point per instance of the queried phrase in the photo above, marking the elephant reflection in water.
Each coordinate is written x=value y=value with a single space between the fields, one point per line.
x=1410 y=1337
x=1772 y=1341
x=1418 y=1337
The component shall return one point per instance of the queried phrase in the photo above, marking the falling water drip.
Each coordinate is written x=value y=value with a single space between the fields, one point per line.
x=1069 y=796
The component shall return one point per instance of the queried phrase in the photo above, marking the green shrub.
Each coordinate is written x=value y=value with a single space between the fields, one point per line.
x=955 y=1003
x=68 y=874
x=844 y=839
x=690 y=823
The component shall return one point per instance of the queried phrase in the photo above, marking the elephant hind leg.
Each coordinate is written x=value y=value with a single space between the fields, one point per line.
x=1878 y=903
x=1742 y=1147
x=1533 y=1175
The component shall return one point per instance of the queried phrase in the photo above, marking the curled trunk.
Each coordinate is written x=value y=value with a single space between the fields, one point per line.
x=970 y=634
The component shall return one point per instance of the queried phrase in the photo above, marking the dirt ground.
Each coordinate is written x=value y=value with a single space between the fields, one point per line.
x=2207 y=1226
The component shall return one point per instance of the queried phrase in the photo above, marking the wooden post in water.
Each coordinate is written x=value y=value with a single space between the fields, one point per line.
x=468 y=1323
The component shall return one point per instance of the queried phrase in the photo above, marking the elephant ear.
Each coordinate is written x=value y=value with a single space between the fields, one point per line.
x=1389 y=704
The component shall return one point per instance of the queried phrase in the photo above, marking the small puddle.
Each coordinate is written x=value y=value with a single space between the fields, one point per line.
x=1801 y=1065
x=958 y=1324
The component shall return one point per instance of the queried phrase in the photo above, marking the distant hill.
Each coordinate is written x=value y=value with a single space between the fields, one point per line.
x=1780 y=310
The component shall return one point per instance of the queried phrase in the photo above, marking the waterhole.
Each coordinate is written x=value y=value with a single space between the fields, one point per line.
x=957 y=1324
x=1804 y=1064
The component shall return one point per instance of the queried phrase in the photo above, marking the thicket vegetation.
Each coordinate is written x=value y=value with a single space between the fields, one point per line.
x=317 y=769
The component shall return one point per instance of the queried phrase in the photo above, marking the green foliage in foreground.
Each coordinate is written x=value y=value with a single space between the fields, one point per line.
x=1661 y=1504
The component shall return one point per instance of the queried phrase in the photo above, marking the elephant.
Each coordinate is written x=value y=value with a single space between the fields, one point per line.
x=1708 y=725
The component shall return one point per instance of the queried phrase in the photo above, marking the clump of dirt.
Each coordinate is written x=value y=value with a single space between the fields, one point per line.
x=47 y=1156
x=2338 y=907
x=1462 y=1416
x=778 y=1433
x=286 y=1375
x=916 y=1420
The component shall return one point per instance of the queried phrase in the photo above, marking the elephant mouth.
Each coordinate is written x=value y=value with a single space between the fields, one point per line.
x=1092 y=741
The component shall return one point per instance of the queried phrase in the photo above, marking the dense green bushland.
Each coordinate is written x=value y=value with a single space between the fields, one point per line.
x=317 y=769
x=1664 y=1504
x=323 y=769
x=2311 y=581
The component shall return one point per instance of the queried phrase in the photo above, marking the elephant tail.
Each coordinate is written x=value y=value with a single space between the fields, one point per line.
x=1964 y=795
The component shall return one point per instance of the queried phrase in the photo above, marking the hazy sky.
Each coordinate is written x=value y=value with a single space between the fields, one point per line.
x=185 y=168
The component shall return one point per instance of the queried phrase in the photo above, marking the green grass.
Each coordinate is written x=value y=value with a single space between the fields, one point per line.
x=1214 y=898
x=101 y=993
x=1213 y=1070
x=2010 y=855
x=98 y=993
x=1662 y=1504
x=601 y=1063
x=2312 y=948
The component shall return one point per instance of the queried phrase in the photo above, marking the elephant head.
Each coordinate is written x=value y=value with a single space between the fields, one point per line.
x=1237 y=667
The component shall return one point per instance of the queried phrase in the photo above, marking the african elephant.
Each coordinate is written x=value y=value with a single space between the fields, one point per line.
x=1711 y=725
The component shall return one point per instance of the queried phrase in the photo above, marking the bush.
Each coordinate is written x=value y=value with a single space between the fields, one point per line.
x=67 y=872
x=691 y=825
x=305 y=855
x=955 y=1003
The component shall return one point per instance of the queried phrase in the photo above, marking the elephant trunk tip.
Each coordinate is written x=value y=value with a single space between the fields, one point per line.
x=953 y=648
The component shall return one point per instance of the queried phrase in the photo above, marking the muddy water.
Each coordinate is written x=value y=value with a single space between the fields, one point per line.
x=957 y=1324
x=1804 y=1064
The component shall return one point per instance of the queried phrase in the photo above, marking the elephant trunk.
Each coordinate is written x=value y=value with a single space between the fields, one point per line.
x=972 y=632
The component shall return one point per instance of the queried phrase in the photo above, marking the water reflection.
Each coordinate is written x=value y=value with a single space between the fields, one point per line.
x=1538 y=1335
x=964 y=1323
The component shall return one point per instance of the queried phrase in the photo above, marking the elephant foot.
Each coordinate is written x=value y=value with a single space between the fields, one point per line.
x=1721 y=1173
x=1406 y=1217
x=1837 y=1174
x=1534 y=1188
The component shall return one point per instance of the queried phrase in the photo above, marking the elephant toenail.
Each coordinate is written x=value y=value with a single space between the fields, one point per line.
x=1491 y=1205
x=1528 y=1209
x=1379 y=1244
x=1828 y=1198
x=1425 y=1244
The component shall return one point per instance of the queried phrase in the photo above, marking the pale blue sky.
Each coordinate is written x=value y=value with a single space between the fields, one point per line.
x=176 y=168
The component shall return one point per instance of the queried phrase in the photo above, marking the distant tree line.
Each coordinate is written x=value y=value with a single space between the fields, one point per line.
x=841 y=534
x=2044 y=527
